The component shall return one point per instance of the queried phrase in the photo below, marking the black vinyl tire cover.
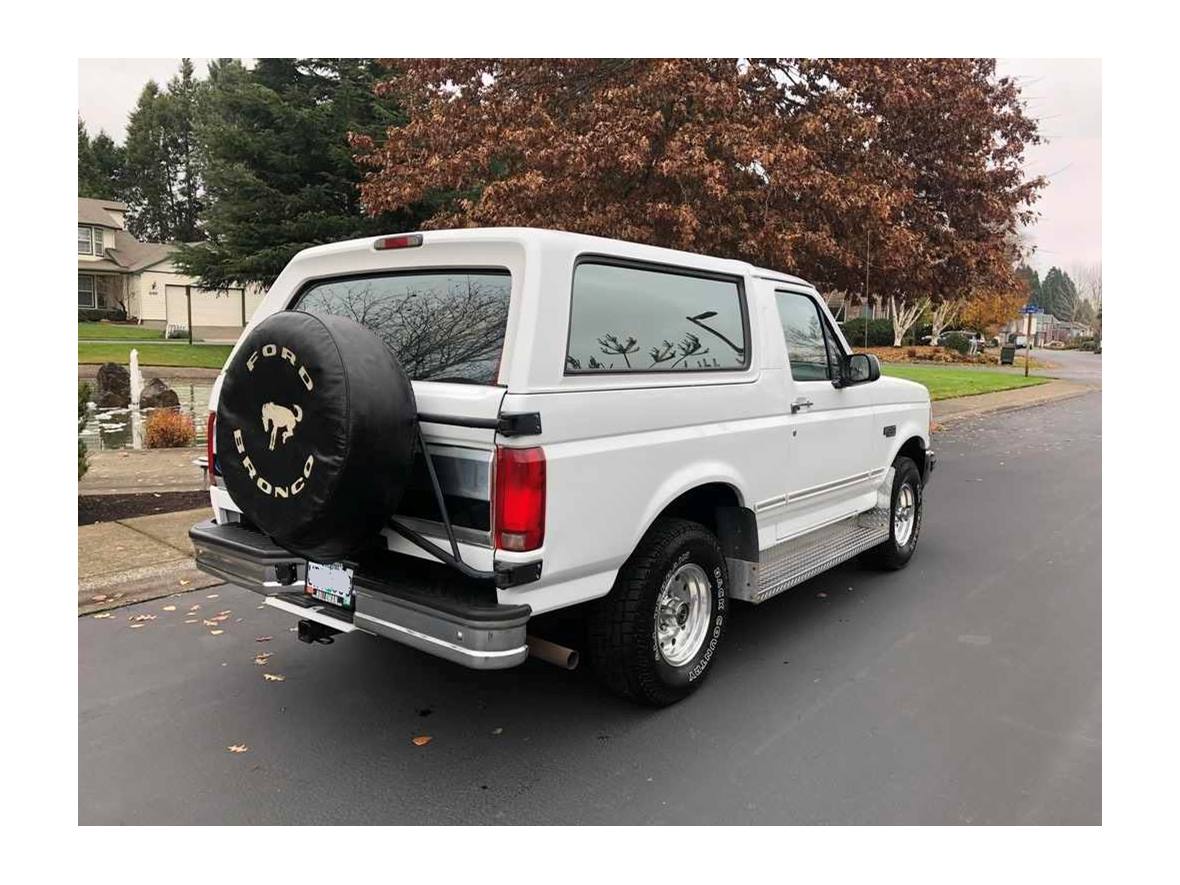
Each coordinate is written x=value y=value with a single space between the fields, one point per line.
x=316 y=432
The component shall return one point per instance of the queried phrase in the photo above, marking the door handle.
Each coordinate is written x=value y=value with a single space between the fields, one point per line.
x=801 y=403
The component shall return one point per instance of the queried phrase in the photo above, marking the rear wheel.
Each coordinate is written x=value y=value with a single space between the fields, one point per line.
x=655 y=636
x=905 y=518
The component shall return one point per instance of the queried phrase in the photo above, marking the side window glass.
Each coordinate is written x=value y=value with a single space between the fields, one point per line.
x=636 y=319
x=803 y=332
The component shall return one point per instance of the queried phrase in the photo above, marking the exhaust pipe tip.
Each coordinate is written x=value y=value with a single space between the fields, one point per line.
x=552 y=653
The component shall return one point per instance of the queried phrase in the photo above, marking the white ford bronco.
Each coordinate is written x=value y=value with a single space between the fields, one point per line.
x=441 y=437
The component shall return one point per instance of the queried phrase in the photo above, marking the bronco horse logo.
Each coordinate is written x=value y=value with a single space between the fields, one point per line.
x=276 y=417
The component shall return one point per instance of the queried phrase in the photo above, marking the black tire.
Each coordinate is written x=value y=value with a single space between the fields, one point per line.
x=316 y=432
x=889 y=555
x=622 y=627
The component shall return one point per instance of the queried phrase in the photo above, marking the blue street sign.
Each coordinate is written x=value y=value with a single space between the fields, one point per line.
x=1030 y=308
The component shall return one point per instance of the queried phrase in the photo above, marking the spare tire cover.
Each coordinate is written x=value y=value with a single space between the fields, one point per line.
x=316 y=429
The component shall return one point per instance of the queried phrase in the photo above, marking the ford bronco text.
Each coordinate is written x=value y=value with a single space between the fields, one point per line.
x=438 y=437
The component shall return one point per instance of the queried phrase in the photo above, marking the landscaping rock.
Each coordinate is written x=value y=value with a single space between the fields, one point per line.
x=156 y=394
x=114 y=387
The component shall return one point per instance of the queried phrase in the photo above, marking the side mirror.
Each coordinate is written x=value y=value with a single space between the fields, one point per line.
x=860 y=368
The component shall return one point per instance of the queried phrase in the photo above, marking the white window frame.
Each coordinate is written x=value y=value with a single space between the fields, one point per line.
x=89 y=247
x=98 y=240
x=93 y=305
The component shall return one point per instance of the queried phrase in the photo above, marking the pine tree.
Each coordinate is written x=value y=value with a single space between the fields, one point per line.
x=277 y=164
x=100 y=164
x=1032 y=280
x=161 y=184
x=1059 y=295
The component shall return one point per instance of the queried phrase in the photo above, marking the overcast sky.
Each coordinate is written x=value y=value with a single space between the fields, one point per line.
x=1064 y=94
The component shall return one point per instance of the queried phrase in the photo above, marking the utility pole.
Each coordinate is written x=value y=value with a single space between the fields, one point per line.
x=1027 y=340
x=868 y=235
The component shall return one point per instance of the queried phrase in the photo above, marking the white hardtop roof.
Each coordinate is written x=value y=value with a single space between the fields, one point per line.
x=534 y=236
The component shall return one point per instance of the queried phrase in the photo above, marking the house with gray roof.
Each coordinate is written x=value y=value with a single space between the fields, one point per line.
x=122 y=278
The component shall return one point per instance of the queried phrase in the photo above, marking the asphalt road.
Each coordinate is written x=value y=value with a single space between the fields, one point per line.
x=964 y=689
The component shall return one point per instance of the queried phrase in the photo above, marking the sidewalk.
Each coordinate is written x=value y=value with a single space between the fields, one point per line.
x=133 y=560
x=1004 y=400
x=132 y=471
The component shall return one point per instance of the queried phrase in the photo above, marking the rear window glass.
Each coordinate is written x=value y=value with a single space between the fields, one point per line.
x=633 y=319
x=443 y=325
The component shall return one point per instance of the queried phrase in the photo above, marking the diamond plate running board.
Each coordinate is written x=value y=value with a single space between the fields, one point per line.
x=793 y=561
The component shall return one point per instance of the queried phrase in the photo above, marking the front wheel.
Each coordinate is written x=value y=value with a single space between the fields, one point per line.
x=905 y=518
x=655 y=636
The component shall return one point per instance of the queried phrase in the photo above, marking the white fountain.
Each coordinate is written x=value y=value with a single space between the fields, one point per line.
x=136 y=379
x=134 y=415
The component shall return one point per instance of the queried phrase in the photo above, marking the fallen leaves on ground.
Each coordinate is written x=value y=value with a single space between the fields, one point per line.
x=497 y=731
x=194 y=608
x=142 y=618
x=137 y=626
x=273 y=677
x=260 y=658
x=99 y=598
x=237 y=748
x=169 y=608
x=216 y=632
x=212 y=596
x=101 y=615
x=421 y=740
x=191 y=621
x=209 y=623
x=263 y=638
x=184 y=583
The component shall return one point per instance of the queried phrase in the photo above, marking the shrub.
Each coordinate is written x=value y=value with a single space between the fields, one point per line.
x=1087 y=344
x=83 y=418
x=880 y=332
x=169 y=429
x=958 y=343
x=95 y=315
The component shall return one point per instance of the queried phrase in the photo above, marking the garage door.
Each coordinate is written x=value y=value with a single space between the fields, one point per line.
x=209 y=308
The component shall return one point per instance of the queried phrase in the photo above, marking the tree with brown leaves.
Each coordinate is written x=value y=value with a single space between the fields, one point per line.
x=793 y=164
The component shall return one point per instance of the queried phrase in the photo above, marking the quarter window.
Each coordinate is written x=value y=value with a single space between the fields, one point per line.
x=638 y=319
x=812 y=347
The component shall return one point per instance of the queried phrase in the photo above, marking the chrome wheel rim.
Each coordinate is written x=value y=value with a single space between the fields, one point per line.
x=904 y=512
x=683 y=611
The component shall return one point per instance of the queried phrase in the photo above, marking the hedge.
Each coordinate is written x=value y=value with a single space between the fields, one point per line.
x=880 y=332
x=96 y=314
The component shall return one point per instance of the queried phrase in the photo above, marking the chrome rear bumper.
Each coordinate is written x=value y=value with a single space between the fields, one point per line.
x=420 y=604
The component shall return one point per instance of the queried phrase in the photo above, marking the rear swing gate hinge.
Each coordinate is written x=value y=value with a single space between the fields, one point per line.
x=519 y=424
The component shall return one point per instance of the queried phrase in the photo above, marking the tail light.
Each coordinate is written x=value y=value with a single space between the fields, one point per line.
x=518 y=522
x=211 y=470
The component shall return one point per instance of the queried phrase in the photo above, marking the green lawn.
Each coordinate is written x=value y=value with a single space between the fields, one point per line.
x=208 y=356
x=91 y=331
x=945 y=382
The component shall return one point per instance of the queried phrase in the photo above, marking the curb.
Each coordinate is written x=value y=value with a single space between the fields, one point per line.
x=1000 y=408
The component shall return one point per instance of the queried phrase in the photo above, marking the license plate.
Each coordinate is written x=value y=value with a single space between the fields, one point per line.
x=330 y=583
